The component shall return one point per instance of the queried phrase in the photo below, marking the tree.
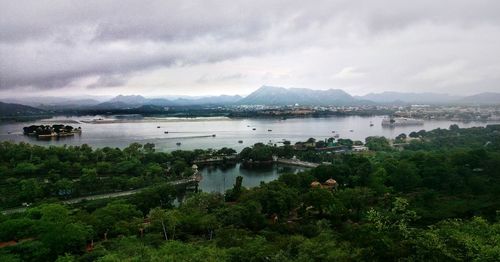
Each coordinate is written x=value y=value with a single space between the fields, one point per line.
x=318 y=198
x=413 y=134
x=89 y=180
x=234 y=193
x=64 y=188
x=401 y=138
x=158 y=216
x=58 y=232
x=149 y=148
x=178 y=167
x=161 y=195
x=275 y=198
x=16 y=228
x=377 y=143
x=345 y=142
x=320 y=144
x=405 y=176
x=116 y=218
x=25 y=169
x=30 y=190
x=172 y=219
x=398 y=218
x=458 y=240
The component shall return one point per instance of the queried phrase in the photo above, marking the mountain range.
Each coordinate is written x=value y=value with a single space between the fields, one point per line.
x=8 y=109
x=265 y=95
x=137 y=100
x=399 y=97
x=268 y=95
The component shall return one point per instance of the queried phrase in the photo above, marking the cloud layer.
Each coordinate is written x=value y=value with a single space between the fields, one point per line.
x=203 y=47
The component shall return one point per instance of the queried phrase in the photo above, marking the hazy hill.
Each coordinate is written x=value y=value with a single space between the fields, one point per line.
x=482 y=99
x=134 y=101
x=113 y=105
x=129 y=100
x=265 y=95
x=431 y=98
x=49 y=102
x=402 y=98
x=7 y=109
x=269 y=95
x=210 y=100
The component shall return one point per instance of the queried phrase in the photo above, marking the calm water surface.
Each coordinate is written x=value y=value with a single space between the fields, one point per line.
x=219 y=179
x=196 y=133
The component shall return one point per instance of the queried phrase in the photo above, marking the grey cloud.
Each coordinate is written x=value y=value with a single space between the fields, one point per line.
x=220 y=78
x=52 y=43
x=108 y=81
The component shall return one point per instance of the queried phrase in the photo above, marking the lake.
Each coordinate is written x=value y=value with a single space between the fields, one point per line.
x=195 y=133
x=219 y=179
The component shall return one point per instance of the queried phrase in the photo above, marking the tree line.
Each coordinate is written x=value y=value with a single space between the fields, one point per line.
x=436 y=200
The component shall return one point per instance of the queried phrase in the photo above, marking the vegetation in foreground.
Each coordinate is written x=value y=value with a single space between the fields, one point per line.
x=437 y=200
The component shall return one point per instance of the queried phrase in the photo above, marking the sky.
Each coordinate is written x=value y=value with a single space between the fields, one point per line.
x=199 y=48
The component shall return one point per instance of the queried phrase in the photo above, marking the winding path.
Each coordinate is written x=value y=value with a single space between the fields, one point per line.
x=195 y=178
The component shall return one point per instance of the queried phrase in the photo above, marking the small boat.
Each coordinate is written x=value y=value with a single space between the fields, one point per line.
x=166 y=132
x=213 y=135
x=337 y=136
x=269 y=130
x=178 y=143
x=371 y=124
x=351 y=130
x=240 y=141
x=8 y=132
x=254 y=128
x=158 y=127
x=248 y=125
x=333 y=132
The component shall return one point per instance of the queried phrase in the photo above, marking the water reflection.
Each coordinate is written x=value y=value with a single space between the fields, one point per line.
x=221 y=178
x=233 y=133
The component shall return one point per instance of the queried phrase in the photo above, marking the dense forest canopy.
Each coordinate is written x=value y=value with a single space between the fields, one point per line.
x=435 y=198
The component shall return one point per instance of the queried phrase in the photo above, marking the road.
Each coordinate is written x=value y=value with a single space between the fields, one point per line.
x=107 y=195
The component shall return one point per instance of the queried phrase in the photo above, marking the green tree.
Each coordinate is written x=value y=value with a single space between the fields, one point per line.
x=377 y=143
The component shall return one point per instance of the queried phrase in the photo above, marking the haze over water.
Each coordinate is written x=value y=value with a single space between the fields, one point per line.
x=196 y=133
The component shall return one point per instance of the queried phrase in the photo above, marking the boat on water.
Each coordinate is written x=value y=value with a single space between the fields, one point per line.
x=269 y=130
x=240 y=141
x=254 y=128
x=178 y=143
x=166 y=132
x=336 y=136
x=401 y=121
x=158 y=126
x=371 y=124
x=213 y=135
x=351 y=130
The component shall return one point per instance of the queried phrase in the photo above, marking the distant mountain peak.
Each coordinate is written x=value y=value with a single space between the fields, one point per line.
x=271 y=95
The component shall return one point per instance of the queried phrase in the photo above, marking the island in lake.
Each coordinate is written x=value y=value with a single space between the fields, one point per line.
x=54 y=131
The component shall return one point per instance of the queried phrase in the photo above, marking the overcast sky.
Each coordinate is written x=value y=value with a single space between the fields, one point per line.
x=158 y=48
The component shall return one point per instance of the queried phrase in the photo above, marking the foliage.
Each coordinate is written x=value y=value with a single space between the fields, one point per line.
x=437 y=200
